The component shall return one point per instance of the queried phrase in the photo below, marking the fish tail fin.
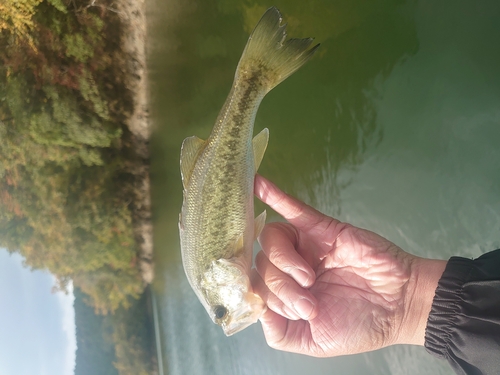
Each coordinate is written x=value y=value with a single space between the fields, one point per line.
x=269 y=55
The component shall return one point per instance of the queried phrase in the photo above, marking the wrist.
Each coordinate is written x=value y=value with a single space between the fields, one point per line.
x=424 y=278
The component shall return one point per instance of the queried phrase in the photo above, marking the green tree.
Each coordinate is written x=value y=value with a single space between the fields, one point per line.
x=68 y=167
x=68 y=171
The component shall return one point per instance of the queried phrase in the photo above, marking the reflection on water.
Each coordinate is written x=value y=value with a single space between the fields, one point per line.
x=391 y=126
x=194 y=345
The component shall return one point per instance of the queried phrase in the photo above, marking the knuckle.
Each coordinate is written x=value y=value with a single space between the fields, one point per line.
x=280 y=259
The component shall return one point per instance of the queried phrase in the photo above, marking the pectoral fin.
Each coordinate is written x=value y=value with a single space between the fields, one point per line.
x=235 y=248
x=239 y=245
x=259 y=223
x=259 y=147
x=191 y=148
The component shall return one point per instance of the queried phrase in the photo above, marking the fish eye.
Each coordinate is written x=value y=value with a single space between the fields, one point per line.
x=220 y=312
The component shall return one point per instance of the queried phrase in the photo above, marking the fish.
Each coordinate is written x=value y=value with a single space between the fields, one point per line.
x=217 y=227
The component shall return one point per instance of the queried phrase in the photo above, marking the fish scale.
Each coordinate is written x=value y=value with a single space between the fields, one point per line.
x=217 y=226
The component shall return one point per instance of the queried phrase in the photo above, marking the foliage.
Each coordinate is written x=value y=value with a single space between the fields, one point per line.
x=68 y=171
x=16 y=17
x=68 y=168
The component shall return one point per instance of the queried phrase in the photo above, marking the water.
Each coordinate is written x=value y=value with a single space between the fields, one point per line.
x=393 y=126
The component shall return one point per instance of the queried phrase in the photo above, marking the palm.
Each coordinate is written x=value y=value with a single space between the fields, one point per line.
x=360 y=280
x=354 y=306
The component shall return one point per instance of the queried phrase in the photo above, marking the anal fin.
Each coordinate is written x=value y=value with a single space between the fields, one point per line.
x=259 y=223
x=259 y=147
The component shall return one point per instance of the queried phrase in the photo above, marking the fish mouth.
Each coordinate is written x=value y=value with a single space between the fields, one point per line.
x=231 y=329
x=245 y=316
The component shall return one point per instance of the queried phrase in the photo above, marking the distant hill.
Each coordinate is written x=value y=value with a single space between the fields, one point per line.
x=94 y=337
x=118 y=344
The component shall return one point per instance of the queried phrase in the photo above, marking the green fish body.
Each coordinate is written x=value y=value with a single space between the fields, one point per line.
x=217 y=226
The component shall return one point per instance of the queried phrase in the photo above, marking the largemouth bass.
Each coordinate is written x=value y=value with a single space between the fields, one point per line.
x=217 y=226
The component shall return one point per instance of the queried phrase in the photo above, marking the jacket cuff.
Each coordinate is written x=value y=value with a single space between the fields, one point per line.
x=446 y=306
x=464 y=322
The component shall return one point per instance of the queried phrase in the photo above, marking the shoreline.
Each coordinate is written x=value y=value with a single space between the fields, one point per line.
x=132 y=14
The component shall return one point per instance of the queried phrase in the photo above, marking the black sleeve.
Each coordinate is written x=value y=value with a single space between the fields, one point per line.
x=464 y=323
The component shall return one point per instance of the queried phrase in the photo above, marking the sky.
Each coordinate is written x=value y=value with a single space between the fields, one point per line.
x=37 y=327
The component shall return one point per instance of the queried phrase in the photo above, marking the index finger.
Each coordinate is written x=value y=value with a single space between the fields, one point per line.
x=299 y=214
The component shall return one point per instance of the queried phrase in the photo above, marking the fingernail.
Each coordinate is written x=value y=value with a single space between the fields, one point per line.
x=301 y=277
x=304 y=308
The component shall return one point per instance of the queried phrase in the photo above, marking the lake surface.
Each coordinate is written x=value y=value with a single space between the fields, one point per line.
x=393 y=126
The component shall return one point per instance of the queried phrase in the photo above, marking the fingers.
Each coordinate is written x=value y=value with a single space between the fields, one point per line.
x=281 y=292
x=319 y=232
x=295 y=211
x=287 y=335
x=275 y=328
x=279 y=241
x=272 y=301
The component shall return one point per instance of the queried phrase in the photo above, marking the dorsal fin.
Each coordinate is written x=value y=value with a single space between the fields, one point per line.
x=191 y=148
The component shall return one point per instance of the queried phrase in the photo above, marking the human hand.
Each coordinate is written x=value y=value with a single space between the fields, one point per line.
x=334 y=289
